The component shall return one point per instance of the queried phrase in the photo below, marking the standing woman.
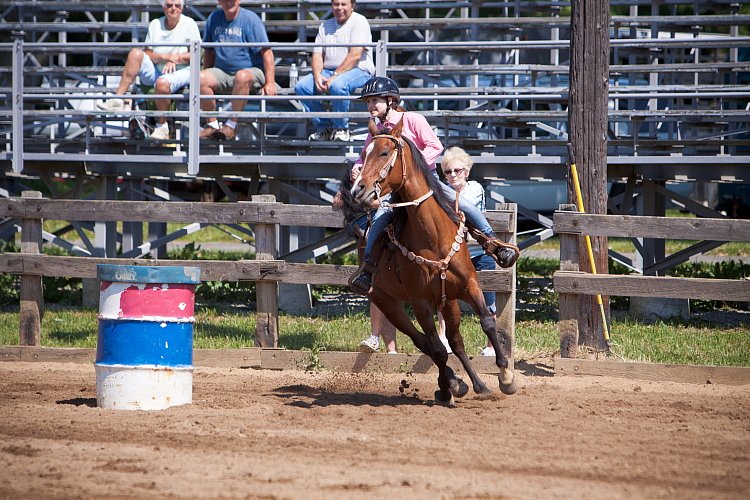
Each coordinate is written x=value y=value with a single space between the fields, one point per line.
x=382 y=95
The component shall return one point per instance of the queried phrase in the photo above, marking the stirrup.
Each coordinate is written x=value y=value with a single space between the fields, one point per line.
x=505 y=254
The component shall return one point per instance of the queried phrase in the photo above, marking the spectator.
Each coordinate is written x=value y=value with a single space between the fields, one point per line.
x=456 y=167
x=163 y=67
x=234 y=70
x=337 y=71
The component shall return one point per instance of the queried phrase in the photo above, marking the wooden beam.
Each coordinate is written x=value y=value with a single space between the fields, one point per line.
x=643 y=226
x=691 y=374
x=500 y=280
x=652 y=286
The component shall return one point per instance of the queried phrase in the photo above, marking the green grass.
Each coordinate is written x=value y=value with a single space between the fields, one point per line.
x=662 y=342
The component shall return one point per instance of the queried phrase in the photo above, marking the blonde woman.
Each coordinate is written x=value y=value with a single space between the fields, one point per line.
x=456 y=167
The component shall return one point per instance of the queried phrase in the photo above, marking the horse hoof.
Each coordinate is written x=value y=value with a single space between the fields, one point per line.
x=508 y=388
x=449 y=401
x=486 y=395
x=458 y=387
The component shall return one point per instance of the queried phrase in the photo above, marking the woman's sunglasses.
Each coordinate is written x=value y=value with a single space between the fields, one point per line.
x=457 y=171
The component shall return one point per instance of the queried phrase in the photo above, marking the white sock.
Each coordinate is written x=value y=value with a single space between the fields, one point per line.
x=231 y=124
x=213 y=124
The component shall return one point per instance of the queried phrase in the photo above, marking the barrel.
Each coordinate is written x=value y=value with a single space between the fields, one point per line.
x=144 y=348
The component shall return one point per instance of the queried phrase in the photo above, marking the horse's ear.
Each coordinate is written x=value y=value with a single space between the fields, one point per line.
x=373 y=128
x=396 y=132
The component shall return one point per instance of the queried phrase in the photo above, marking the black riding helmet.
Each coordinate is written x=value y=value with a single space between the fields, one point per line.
x=380 y=86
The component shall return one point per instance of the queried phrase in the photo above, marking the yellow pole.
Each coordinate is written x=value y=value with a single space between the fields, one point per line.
x=589 y=250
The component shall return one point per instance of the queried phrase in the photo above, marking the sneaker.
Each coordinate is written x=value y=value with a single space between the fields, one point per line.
x=114 y=104
x=487 y=351
x=226 y=133
x=160 y=134
x=444 y=340
x=370 y=344
x=208 y=132
x=392 y=352
x=323 y=134
x=340 y=135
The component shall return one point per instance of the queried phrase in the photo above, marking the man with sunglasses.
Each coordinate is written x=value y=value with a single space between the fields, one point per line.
x=164 y=67
x=234 y=70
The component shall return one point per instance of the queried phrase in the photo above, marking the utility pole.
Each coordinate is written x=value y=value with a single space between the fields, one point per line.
x=587 y=121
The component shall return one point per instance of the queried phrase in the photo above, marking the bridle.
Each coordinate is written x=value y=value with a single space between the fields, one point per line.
x=441 y=265
x=386 y=171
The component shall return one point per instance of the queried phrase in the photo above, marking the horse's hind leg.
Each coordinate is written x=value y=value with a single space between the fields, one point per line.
x=506 y=377
x=452 y=316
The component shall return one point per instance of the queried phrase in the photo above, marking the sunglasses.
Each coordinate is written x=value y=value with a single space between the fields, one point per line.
x=170 y=5
x=455 y=171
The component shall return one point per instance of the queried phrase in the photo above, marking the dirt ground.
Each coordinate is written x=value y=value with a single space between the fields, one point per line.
x=290 y=434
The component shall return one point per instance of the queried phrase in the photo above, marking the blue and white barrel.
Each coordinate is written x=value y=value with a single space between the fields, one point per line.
x=144 y=348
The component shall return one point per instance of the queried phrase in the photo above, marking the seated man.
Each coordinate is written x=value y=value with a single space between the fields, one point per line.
x=234 y=70
x=163 y=67
x=337 y=70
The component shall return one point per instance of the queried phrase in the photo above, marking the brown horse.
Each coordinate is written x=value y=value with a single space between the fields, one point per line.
x=426 y=264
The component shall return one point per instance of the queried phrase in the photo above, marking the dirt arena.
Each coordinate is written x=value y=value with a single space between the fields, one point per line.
x=290 y=434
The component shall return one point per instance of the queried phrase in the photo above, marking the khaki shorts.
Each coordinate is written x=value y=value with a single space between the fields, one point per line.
x=226 y=81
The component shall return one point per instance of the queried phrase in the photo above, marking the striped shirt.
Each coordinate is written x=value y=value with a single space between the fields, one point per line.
x=355 y=30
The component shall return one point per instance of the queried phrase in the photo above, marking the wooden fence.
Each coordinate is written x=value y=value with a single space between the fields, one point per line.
x=263 y=213
x=571 y=284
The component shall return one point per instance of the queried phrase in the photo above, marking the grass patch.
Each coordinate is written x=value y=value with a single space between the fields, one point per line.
x=664 y=342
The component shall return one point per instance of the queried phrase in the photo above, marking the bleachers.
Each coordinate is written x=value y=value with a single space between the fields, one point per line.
x=490 y=76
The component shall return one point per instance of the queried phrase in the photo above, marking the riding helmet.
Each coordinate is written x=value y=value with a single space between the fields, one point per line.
x=380 y=86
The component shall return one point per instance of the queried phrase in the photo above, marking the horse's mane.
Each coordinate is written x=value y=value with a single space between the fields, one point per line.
x=434 y=184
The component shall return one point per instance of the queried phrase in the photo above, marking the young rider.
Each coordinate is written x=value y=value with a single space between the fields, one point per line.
x=382 y=95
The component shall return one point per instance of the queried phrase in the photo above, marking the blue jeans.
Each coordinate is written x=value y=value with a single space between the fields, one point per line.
x=384 y=216
x=484 y=262
x=343 y=85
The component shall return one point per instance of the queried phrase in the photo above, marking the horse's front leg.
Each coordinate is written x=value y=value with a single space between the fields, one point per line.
x=475 y=299
x=452 y=316
x=448 y=383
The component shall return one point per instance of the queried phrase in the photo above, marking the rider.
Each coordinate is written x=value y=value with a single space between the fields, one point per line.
x=382 y=95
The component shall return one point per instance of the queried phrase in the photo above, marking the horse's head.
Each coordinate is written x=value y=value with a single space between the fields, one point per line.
x=381 y=172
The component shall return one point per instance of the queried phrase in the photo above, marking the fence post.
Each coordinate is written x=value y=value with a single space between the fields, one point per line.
x=267 y=292
x=505 y=315
x=32 y=299
x=568 y=324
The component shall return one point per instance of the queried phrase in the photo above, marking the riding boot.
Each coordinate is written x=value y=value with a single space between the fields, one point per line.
x=505 y=254
x=361 y=281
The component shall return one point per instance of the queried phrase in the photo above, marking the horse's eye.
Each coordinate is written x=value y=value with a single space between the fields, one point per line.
x=384 y=153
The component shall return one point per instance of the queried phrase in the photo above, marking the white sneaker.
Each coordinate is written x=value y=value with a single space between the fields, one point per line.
x=444 y=340
x=340 y=135
x=370 y=344
x=323 y=134
x=114 y=104
x=487 y=351
x=160 y=134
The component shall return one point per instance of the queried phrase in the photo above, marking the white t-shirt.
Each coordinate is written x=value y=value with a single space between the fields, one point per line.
x=355 y=30
x=185 y=31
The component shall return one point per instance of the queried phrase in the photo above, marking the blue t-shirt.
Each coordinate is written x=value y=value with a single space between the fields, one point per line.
x=246 y=27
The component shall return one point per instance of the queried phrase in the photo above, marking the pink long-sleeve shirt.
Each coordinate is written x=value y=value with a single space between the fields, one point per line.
x=418 y=131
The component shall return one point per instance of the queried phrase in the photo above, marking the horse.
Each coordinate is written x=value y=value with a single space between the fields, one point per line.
x=427 y=264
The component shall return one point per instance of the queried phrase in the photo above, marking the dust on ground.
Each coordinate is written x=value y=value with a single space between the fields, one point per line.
x=291 y=434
